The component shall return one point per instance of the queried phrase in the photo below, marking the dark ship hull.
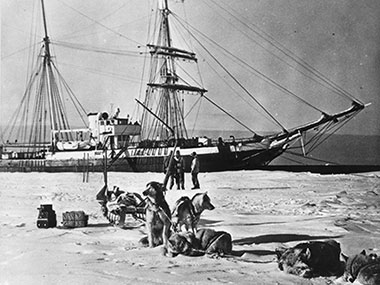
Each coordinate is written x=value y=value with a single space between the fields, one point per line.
x=212 y=159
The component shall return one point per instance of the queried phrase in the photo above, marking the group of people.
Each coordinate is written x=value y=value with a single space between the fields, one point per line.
x=174 y=168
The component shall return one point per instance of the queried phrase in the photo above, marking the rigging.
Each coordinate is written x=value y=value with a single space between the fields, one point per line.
x=277 y=45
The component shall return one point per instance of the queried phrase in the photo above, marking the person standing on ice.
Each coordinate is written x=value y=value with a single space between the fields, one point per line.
x=169 y=170
x=180 y=171
x=195 y=171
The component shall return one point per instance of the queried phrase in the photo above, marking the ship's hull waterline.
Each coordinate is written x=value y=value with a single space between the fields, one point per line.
x=211 y=159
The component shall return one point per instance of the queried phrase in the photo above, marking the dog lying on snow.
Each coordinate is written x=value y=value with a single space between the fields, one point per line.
x=157 y=215
x=362 y=268
x=311 y=259
x=186 y=213
x=205 y=241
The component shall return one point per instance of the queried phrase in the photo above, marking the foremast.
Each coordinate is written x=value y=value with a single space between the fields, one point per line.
x=51 y=88
x=166 y=87
x=41 y=114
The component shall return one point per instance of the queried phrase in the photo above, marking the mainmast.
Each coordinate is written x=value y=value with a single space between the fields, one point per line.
x=165 y=86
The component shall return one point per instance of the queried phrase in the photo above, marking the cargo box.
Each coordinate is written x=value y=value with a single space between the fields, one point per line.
x=74 y=219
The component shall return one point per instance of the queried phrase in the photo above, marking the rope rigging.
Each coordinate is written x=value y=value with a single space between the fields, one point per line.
x=297 y=61
x=278 y=46
x=235 y=79
x=97 y=49
x=101 y=24
x=76 y=103
x=22 y=107
x=143 y=73
x=118 y=76
x=337 y=127
x=72 y=34
x=257 y=73
x=249 y=103
x=320 y=137
x=305 y=157
x=224 y=111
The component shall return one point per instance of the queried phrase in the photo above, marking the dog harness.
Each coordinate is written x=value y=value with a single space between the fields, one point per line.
x=193 y=217
x=156 y=208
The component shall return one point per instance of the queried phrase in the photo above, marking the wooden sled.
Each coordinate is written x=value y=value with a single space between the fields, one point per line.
x=125 y=203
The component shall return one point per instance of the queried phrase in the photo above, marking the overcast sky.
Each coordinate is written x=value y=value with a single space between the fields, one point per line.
x=338 y=38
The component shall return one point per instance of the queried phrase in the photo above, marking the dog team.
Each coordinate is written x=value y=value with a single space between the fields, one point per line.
x=177 y=231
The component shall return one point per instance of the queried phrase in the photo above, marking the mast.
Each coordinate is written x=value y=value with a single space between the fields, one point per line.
x=42 y=111
x=49 y=86
x=165 y=12
x=47 y=63
x=46 y=39
x=168 y=67
x=165 y=86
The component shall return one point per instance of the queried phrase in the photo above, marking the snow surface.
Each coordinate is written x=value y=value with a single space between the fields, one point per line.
x=261 y=209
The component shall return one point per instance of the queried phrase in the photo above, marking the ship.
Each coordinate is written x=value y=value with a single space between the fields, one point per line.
x=48 y=143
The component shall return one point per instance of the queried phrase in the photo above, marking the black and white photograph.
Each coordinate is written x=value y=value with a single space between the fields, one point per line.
x=190 y=142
